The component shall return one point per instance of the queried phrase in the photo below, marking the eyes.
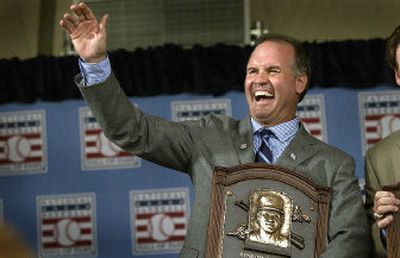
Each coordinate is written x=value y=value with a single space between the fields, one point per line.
x=271 y=216
x=269 y=70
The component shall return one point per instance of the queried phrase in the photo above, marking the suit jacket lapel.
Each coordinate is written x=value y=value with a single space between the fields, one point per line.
x=395 y=172
x=300 y=149
x=395 y=162
x=244 y=141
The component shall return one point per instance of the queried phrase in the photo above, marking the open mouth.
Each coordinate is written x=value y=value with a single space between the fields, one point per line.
x=261 y=95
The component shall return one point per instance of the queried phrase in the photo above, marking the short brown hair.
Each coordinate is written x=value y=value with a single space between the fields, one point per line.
x=392 y=43
x=302 y=62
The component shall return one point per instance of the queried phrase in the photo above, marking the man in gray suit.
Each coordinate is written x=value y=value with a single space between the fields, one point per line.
x=276 y=80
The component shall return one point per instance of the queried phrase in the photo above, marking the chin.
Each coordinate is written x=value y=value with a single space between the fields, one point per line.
x=261 y=117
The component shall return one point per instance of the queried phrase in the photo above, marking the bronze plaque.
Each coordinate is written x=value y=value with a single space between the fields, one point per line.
x=393 y=230
x=264 y=211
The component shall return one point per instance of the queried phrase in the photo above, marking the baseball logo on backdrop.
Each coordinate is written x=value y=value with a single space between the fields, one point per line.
x=159 y=219
x=192 y=110
x=97 y=151
x=67 y=225
x=22 y=142
x=311 y=112
x=380 y=116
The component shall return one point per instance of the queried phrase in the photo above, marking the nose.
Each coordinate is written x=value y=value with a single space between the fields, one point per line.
x=261 y=78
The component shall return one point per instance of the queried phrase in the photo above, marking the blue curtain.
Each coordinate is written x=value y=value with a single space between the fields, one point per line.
x=172 y=69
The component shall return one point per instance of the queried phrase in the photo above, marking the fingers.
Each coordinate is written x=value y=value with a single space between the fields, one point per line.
x=72 y=19
x=77 y=11
x=87 y=35
x=103 y=23
x=385 y=202
x=380 y=194
x=85 y=11
x=383 y=223
x=80 y=21
x=385 y=198
x=66 y=24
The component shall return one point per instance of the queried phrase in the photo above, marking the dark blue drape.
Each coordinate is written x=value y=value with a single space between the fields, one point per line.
x=171 y=69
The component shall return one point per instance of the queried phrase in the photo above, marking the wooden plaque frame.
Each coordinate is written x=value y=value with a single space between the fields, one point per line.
x=393 y=230
x=228 y=180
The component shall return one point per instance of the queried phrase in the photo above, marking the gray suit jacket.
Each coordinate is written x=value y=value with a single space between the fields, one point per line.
x=382 y=167
x=196 y=147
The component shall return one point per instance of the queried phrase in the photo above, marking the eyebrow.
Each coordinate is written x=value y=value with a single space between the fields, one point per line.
x=269 y=67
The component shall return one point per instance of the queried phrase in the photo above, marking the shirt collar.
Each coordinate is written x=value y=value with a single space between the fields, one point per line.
x=282 y=131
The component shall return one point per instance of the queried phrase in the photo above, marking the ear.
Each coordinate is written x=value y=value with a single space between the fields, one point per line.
x=301 y=83
x=397 y=76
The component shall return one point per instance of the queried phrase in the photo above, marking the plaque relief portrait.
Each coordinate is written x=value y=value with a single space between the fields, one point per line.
x=270 y=218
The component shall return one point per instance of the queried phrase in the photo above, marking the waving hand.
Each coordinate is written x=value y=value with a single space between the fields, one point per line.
x=87 y=34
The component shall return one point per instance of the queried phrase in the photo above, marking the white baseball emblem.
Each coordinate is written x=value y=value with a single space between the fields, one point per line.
x=161 y=227
x=67 y=232
x=18 y=148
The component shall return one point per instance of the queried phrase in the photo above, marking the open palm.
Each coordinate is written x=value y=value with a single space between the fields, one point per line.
x=87 y=34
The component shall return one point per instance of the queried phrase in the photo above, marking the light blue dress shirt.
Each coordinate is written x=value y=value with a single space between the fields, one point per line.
x=283 y=135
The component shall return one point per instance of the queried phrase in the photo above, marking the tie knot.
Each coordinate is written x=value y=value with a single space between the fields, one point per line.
x=265 y=133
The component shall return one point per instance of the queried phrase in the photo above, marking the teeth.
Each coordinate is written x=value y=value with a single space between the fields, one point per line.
x=263 y=94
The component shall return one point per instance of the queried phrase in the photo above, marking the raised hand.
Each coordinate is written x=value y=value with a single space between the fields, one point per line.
x=87 y=34
x=385 y=204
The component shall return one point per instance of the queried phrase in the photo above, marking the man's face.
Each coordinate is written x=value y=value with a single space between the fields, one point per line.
x=272 y=86
x=270 y=221
x=397 y=70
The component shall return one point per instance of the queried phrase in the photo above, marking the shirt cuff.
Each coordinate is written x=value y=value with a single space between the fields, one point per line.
x=95 y=73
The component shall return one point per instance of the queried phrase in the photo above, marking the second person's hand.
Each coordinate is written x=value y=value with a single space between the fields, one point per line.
x=385 y=203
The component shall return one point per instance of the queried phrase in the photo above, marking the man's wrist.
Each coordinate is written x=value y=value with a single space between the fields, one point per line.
x=94 y=60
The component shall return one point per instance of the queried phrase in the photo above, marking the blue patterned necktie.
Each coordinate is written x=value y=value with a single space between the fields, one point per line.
x=264 y=152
